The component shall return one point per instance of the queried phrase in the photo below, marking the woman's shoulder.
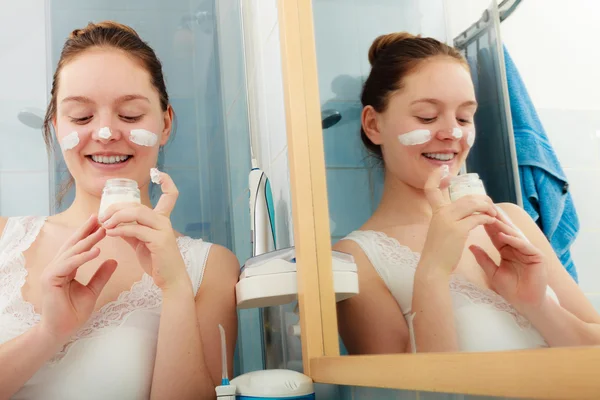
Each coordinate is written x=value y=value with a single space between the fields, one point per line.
x=3 y=221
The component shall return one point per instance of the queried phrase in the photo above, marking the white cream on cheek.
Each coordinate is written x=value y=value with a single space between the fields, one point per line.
x=457 y=133
x=416 y=137
x=143 y=137
x=104 y=133
x=470 y=138
x=70 y=141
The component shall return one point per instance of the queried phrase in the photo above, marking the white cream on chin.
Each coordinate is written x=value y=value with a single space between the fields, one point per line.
x=143 y=137
x=104 y=133
x=457 y=133
x=70 y=141
x=155 y=175
x=416 y=137
x=470 y=138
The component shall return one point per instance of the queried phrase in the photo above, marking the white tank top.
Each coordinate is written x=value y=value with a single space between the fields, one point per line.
x=484 y=321
x=112 y=355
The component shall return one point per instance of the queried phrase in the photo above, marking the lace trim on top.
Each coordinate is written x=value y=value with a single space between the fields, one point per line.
x=143 y=295
x=396 y=254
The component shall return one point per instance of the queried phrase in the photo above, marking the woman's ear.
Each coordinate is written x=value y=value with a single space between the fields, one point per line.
x=370 y=125
x=168 y=122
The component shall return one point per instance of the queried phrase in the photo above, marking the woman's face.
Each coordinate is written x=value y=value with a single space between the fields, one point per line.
x=428 y=123
x=103 y=96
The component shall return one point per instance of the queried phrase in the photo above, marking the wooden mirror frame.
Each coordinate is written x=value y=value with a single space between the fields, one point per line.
x=554 y=373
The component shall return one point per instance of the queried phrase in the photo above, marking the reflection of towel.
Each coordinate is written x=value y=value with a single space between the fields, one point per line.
x=545 y=189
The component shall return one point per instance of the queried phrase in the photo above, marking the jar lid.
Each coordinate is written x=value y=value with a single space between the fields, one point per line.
x=465 y=178
x=121 y=183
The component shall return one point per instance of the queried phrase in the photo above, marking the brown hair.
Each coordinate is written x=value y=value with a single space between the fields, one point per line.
x=393 y=57
x=106 y=34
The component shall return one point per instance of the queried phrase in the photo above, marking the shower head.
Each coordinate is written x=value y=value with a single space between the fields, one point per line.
x=329 y=118
x=32 y=117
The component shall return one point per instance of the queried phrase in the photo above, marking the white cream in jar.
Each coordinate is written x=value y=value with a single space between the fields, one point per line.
x=464 y=185
x=119 y=191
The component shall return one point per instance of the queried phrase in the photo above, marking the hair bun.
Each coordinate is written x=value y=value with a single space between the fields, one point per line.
x=102 y=25
x=384 y=41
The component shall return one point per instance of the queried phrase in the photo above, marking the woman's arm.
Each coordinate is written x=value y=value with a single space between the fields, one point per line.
x=21 y=357
x=188 y=357
x=573 y=321
x=370 y=322
x=433 y=315
x=66 y=306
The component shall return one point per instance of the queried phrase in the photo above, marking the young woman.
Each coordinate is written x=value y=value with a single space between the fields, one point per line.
x=118 y=306
x=436 y=275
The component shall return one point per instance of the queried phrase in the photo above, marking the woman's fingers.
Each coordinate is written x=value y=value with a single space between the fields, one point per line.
x=166 y=202
x=523 y=246
x=140 y=232
x=140 y=214
x=484 y=260
x=469 y=205
x=90 y=226
x=85 y=244
x=101 y=277
x=473 y=221
x=67 y=267
x=433 y=188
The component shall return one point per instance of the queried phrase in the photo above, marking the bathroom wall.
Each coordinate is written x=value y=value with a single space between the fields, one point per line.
x=555 y=48
x=24 y=188
x=268 y=131
x=266 y=107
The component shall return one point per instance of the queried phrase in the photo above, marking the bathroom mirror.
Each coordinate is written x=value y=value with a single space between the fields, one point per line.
x=335 y=190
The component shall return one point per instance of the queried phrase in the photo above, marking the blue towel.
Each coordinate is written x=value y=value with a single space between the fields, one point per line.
x=544 y=186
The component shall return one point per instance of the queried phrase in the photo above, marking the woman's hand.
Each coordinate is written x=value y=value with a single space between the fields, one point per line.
x=521 y=277
x=451 y=223
x=66 y=303
x=151 y=235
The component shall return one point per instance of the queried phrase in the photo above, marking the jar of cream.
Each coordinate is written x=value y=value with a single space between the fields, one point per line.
x=119 y=191
x=464 y=185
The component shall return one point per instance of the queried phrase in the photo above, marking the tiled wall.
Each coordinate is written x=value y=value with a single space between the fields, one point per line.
x=267 y=126
x=568 y=106
x=266 y=107
x=23 y=160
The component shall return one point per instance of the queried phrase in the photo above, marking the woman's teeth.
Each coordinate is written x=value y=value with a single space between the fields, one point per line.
x=109 y=159
x=440 y=156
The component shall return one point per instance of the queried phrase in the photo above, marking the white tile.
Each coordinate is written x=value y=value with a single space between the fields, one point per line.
x=24 y=193
x=273 y=96
x=574 y=135
x=280 y=188
x=338 y=56
x=381 y=17
x=595 y=300
x=23 y=56
x=266 y=18
x=585 y=256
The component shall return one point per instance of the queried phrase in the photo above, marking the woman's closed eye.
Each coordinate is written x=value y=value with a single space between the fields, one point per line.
x=426 y=120
x=81 y=120
x=131 y=118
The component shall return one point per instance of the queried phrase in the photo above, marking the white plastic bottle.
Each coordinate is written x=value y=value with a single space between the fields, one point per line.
x=464 y=185
x=119 y=191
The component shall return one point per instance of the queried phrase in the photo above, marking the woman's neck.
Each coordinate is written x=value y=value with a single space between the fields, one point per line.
x=401 y=204
x=86 y=204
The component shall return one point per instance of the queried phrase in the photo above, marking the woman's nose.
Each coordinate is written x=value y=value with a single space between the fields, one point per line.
x=106 y=134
